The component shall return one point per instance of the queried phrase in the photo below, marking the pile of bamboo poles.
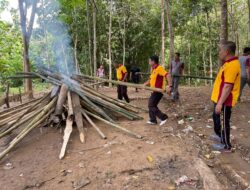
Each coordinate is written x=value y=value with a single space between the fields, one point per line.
x=71 y=102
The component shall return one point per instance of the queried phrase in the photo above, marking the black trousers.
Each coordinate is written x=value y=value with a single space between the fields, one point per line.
x=223 y=131
x=153 y=107
x=122 y=93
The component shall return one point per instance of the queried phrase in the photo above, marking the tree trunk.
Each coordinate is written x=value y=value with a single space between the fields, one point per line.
x=75 y=55
x=27 y=27
x=189 y=63
x=204 y=65
x=224 y=22
x=94 y=40
x=124 y=41
x=248 y=3
x=163 y=33
x=26 y=68
x=210 y=48
x=109 y=43
x=170 y=31
x=89 y=37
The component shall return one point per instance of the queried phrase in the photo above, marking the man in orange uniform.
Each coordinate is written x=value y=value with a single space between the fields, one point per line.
x=157 y=80
x=121 y=75
x=225 y=94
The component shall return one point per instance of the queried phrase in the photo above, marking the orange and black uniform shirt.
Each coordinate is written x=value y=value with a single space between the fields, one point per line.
x=121 y=72
x=229 y=73
x=158 y=77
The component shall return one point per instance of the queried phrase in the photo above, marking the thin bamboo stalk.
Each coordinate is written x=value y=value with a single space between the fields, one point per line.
x=114 y=125
x=93 y=125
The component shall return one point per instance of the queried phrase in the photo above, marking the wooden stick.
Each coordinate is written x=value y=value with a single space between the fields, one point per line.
x=68 y=129
x=114 y=125
x=78 y=115
x=93 y=125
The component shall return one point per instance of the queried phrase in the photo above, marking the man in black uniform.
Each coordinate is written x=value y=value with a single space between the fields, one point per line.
x=135 y=75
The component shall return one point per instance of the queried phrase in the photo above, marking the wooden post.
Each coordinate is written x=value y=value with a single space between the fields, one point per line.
x=20 y=95
x=7 y=95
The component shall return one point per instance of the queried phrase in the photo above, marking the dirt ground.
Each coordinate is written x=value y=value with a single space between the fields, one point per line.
x=122 y=162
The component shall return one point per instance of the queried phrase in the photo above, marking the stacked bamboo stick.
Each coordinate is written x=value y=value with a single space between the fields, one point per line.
x=71 y=102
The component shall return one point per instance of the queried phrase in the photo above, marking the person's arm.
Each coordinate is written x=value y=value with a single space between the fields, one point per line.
x=125 y=77
x=225 y=93
x=146 y=83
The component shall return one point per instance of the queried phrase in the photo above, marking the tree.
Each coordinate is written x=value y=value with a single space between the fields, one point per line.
x=170 y=31
x=89 y=38
x=224 y=22
x=109 y=41
x=27 y=27
x=162 y=33
x=94 y=40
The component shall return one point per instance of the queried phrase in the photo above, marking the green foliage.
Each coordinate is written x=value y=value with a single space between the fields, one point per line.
x=10 y=52
x=196 y=27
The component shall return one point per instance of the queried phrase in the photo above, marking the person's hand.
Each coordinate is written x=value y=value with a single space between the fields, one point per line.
x=218 y=108
x=169 y=90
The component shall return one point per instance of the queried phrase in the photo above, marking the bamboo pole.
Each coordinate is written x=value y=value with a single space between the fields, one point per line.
x=93 y=125
x=35 y=122
x=19 y=106
x=61 y=99
x=114 y=125
x=78 y=116
x=15 y=125
x=113 y=100
x=139 y=86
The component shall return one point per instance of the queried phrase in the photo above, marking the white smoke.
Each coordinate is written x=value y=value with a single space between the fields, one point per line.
x=51 y=44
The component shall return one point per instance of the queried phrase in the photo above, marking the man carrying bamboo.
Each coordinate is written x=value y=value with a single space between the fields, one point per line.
x=157 y=80
x=121 y=75
x=225 y=94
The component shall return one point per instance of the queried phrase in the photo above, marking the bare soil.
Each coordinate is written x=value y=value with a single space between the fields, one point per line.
x=122 y=162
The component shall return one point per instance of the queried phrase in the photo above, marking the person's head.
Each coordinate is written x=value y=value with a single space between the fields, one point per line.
x=246 y=51
x=117 y=65
x=177 y=56
x=101 y=66
x=153 y=60
x=227 y=50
